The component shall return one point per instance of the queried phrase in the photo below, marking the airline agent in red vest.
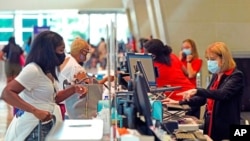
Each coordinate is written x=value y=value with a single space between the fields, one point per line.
x=170 y=68
x=223 y=93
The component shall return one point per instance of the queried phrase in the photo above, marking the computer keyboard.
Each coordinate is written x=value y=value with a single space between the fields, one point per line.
x=178 y=107
x=163 y=89
x=199 y=136
x=192 y=136
x=180 y=136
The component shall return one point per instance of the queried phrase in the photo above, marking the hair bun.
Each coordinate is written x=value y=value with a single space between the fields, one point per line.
x=168 y=49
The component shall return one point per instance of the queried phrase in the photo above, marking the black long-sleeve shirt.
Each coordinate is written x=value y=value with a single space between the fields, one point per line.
x=227 y=103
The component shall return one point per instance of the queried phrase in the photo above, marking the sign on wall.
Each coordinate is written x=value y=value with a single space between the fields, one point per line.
x=39 y=29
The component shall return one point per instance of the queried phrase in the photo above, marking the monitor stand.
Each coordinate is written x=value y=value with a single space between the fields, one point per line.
x=143 y=129
x=136 y=123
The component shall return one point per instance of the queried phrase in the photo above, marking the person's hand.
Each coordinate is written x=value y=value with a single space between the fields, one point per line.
x=81 y=90
x=169 y=101
x=81 y=77
x=189 y=58
x=126 y=78
x=42 y=115
x=188 y=94
x=111 y=78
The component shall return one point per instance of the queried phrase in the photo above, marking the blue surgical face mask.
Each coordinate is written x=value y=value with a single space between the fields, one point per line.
x=82 y=57
x=213 y=66
x=187 y=51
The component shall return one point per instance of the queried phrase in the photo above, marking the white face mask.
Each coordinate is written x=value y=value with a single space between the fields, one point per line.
x=213 y=66
x=187 y=51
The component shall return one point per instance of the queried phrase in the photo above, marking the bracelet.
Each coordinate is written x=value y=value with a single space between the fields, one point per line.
x=189 y=61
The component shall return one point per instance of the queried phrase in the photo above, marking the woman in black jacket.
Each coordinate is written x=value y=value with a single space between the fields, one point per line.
x=223 y=93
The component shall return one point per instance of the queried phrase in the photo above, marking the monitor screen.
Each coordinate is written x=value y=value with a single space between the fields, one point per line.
x=141 y=99
x=142 y=71
x=147 y=62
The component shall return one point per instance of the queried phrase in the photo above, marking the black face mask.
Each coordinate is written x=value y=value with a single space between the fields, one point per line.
x=60 y=58
x=81 y=63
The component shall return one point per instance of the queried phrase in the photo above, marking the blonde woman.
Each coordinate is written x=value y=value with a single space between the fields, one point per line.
x=223 y=93
x=190 y=59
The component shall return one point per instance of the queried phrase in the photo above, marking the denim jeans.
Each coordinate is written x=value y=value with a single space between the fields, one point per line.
x=45 y=128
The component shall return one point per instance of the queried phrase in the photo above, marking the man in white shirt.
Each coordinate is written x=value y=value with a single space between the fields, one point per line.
x=72 y=72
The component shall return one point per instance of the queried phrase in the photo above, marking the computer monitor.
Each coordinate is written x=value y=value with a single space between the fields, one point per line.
x=135 y=103
x=147 y=62
x=138 y=103
x=141 y=99
x=142 y=71
x=143 y=106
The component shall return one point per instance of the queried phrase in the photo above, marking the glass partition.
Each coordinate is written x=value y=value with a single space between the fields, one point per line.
x=111 y=26
x=68 y=23
x=98 y=26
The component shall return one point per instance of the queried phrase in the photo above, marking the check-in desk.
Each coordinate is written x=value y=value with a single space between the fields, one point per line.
x=88 y=130
x=77 y=130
